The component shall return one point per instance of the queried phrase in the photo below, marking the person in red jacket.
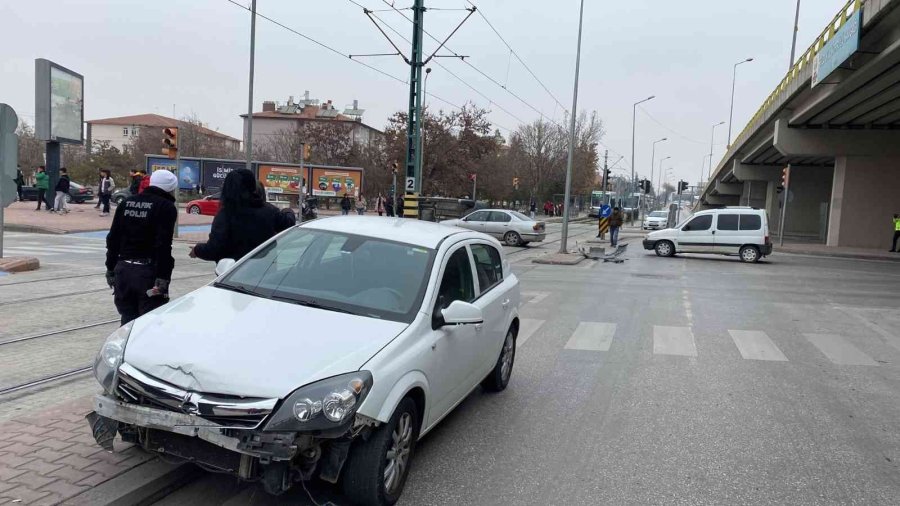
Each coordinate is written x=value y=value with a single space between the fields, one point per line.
x=145 y=182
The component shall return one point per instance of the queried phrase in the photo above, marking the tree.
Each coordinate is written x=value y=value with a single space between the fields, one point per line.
x=193 y=141
x=31 y=150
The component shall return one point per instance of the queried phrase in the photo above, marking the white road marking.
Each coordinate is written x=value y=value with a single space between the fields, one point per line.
x=28 y=252
x=527 y=328
x=592 y=336
x=839 y=350
x=756 y=345
x=535 y=297
x=674 y=341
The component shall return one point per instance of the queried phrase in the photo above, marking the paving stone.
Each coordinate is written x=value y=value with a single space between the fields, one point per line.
x=16 y=449
x=107 y=469
x=48 y=500
x=33 y=480
x=84 y=450
x=75 y=461
x=28 y=439
x=48 y=454
x=64 y=489
x=24 y=494
x=94 y=479
x=6 y=473
x=70 y=475
x=13 y=460
x=40 y=466
x=54 y=444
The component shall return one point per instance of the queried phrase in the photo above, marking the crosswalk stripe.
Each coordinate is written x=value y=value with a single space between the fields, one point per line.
x=537 y=297
x=839 y=350
x=29 y=252
x=527 y=328
x=592 y=336
x=64 y=249
x=673 y=341
x=756 y=345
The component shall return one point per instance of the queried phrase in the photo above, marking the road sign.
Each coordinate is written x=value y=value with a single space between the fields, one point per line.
x=9 y=154
x=410 y=184
x=605 y=211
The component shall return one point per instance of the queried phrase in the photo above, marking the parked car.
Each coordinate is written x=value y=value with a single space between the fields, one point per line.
x=374 y=330
x=742 y=231
x=78 y=194
x=656 y=220
x=513 y=227
x=207 y=205
x=120 y=195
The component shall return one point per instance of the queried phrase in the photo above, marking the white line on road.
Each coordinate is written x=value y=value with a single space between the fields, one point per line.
x=527 y=328
x=839 y=350
x=756 y=345
x=674 y=341
x=29 y=252
x=592 y=336
x=536 y=297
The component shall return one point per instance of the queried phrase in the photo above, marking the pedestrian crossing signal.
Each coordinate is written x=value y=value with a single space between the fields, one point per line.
x=170 y=142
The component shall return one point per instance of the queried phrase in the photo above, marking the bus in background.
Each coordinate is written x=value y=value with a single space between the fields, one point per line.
x=600 y=198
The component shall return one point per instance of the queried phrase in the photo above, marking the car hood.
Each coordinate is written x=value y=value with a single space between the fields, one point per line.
x=452 y=223
x=218 y=341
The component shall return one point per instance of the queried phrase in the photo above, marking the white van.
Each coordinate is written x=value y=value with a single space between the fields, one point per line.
x=742 y=231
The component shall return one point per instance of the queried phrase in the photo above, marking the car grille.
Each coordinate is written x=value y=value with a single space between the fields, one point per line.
x=229 y=411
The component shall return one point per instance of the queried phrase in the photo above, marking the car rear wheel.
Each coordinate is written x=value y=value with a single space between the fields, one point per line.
x=664 y=249
x=498 y=379
x=377 y=467
x=194 y=210
x=749 y=254
x=68 y=199
x=512 y=239
x=118 y=201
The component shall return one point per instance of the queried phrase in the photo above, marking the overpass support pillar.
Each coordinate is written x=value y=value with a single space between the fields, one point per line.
x=864 y=197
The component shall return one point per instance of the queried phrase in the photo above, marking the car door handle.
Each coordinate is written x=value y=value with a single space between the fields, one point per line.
x=478 y=327
x=713 y=232
x=505 y=303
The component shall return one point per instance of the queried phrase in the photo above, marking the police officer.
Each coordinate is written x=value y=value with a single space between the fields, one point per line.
x=896 y=233
x=139 y=259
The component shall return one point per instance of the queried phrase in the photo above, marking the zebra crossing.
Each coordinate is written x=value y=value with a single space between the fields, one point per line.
x=37 y=249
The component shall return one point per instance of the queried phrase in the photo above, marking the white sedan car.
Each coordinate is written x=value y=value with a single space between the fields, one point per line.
x=656 y=220
x=328 y=351
x=514 y=228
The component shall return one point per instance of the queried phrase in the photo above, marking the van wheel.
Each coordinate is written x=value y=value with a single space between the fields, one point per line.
x=664 y=249
x=377 y=467
x=749 y=254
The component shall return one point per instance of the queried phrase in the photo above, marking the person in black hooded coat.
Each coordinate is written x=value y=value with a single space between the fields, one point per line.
x=244 y=221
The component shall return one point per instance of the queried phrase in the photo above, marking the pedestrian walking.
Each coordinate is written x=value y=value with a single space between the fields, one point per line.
x=615 y=222
x=361 y=205
x=379 y=205
x=20 y=182
x=896 y=233
x=533 y=208
x=389 y=207
x=42 y=183
x=136 y=177
x=244 y=221
x=345 y=205
x=62 y=192
x=99 y=188
x=139 y=259
x=107 y=186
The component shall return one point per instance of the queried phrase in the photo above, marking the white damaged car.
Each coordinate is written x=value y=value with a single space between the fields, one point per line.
x=327 y=352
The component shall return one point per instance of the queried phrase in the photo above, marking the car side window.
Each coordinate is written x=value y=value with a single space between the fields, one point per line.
x=478 y=216
x=488 y=266
x=727 y=222
x=699 y=223
x=498 y=217
x=457 y=282
x=750 y=222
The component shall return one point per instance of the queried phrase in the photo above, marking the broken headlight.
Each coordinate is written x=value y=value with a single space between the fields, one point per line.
x=110 y=356
x=322 y=405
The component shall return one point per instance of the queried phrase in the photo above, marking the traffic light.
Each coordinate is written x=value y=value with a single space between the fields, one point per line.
x=784 y=176
x=606 y=173
x=170 y=141
x=645 y=185
x=516 y=183
x=307 y=149
x=682 y=185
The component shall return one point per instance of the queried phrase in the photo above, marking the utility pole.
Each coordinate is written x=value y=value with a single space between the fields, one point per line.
x=563 y=243
x=248 y=143
x=794 y=42
x=603 y=180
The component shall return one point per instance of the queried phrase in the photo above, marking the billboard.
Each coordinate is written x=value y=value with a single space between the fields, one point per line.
x=59 y=103
x=839 y=48
x=188 y=173
x=288 y=179
x=214 y=171
x=335 y=182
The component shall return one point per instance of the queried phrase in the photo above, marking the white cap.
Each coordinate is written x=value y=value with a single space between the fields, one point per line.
x=164 y=180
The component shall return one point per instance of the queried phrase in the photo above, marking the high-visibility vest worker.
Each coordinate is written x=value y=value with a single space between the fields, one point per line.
x=896 y=233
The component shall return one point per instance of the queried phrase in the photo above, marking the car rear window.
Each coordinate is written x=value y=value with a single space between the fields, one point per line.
x=750 y=222
x=727 y=222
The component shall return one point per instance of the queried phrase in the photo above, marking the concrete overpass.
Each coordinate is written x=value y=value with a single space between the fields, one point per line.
x=838 y=131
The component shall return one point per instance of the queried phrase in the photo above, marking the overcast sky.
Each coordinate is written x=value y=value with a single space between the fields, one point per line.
x=150 y=56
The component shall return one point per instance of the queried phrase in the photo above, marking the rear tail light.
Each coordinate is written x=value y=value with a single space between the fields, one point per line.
x=82 y=191
x=767 y=239
x=538 y=227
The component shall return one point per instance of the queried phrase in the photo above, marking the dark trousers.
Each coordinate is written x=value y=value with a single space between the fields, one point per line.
x=19 y=191
x=41 y=195
x=613 y=236
x=894 y=243
x=132 y=283
x=104 y=201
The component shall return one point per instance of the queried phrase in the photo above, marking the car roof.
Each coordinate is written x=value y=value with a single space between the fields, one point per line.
x=405 y=230
x=731 y=209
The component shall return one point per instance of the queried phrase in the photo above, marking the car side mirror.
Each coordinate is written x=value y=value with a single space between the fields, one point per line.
x=462 y=313
x=686 y=228
x=224 y=265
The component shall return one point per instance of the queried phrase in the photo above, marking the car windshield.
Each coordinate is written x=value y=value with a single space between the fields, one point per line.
x=341 y=272
x=659 y=214
x=520 y=216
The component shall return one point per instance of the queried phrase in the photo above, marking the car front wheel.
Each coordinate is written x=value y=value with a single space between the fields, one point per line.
x=194 y=210
x=664 y=249
x=498 y=379
x=377 y=467
x=749 y=254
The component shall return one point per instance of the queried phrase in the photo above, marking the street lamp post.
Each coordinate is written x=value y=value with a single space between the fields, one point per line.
x=731 y=114
x=633 y=123
x=660 y=176
x=794 y=41
x=712 y=141
x=248 y=142
x=653 y=158
x=563 y=243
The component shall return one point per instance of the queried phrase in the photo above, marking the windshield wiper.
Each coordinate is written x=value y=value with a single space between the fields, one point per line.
x=310 y=303
x=238 y=289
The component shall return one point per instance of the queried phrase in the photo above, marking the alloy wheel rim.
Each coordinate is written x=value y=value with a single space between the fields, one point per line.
x=507 y=359
x=664 y=248
x=397 y=458
x=749 y=255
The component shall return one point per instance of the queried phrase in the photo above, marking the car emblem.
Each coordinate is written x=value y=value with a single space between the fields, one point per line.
x=189 y=404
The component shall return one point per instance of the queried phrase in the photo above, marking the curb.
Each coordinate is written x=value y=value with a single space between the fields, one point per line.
x=12 y=227
x=142 y=484
x=19 y=264
x=570 y=259
x=836 y=254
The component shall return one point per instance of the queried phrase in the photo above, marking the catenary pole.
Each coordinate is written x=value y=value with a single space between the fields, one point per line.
x=563 y=243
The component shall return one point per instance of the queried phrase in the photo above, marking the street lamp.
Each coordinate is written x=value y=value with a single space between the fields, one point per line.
x=794 y=41
x=633 y=122
x=731 y=114
x=712 y=140
x=653 y=156
x=659 y=179
x=563 y=242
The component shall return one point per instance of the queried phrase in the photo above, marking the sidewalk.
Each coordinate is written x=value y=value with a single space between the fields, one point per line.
x=21 y=217
x=799 y=248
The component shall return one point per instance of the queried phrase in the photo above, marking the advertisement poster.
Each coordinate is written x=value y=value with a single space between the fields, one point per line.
x=188 y=175
x=288 y=179
x=214 y=172
x=66 y=104
x=335 y=182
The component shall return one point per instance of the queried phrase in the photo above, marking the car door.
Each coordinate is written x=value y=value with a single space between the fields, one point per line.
x=455 y=347
x=697 y=235
x=476 y=221
x=210 y=205
x=728 y=235
x=499 y=224
x=494 y=301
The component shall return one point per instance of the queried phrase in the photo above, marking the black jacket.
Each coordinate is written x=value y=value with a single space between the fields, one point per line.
x=63 y=184
x=233 y=236
x=20 y=178
x=345 y=203
x=142 y=229
x=135 y=184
